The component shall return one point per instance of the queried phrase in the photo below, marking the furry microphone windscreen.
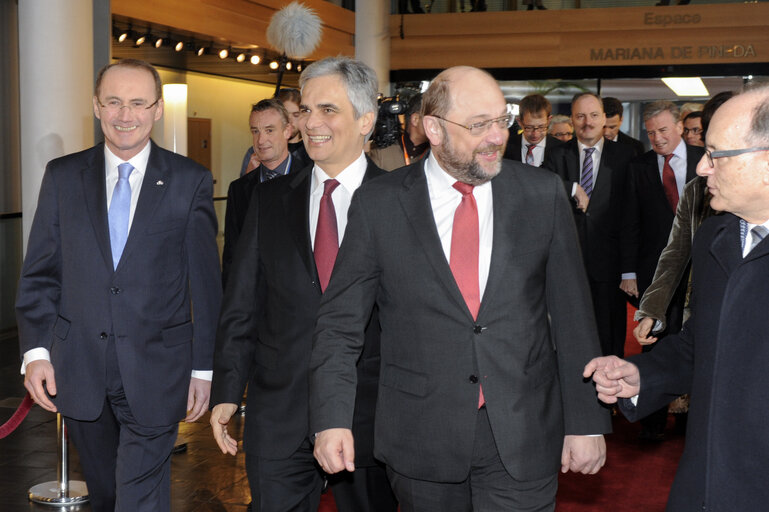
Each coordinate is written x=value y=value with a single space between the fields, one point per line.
x=294 y=30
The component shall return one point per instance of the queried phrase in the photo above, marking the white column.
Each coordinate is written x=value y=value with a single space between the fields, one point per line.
x=175 y=118
x=372 y=38
x=56 y=80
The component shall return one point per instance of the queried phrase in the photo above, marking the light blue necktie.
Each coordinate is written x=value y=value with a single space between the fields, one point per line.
x=119 y=211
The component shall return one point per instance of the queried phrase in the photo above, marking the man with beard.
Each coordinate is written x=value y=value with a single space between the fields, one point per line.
x=475 y=268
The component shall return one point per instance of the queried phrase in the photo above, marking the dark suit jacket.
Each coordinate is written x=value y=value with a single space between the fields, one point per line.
x=70 y=299
x=513 y=148
x=599 y=227
x=637 y=145
x=720 y=357
x=648 y=217
x=267 y=320
x=434 y=355
x=238 y=197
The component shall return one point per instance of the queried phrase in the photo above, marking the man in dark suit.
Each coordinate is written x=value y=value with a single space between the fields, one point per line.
x=613 y=109
x=656 y=180
x=271 y=129
x=474 y=265
x=533 y=144
x=594 y=171
x=281 y=266
x=122 y=247
x=721 y=355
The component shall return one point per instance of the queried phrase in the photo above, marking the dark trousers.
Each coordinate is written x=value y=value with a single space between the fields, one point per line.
x=610 y=308
x=127 y=466
x=366 y=489
x=489 y=487
x=285 y=485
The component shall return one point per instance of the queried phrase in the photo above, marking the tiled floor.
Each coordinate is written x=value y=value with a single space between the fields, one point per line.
x=203 y=479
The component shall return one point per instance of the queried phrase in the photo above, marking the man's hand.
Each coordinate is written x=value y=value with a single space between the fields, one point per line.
x=642 y=330
x=581 y=198
x=629 y=286
x=335 y=450
x=583 y=454
x=197 y=398
x=220 y=418
x=253 y=163
x=37 y=378
x=614 y=378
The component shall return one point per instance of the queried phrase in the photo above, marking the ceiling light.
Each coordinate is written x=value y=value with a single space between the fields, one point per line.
x=122 y=37
x=179 y=46
x=687 y=86
x=241 y=57
x=201 y=50
x=140 y=40
x=274 y=64
x=158 y=42
x=299 y=67
x=288 y=65
x=223 y=53
x=255 y=60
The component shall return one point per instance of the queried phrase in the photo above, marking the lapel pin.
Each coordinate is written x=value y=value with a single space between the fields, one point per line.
x=159 y=183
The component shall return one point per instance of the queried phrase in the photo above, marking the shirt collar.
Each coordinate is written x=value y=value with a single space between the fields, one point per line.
x=439 y=182
x=139 y=161
x=598 y=146
x=350 y=178
x=540 y=144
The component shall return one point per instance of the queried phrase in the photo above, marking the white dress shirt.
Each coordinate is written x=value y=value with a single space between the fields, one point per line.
x=596 y=156
x=444 y=199
x=678 y=164
x=349 y=181
x=537 y=152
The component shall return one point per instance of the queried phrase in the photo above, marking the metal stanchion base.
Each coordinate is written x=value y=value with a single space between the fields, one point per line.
x=48 y=493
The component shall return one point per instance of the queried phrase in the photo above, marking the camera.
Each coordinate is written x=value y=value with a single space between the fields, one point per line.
x=387 y=130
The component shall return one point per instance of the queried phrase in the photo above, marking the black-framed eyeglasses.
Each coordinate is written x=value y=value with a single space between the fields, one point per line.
x=481 y=127
x=114 y=106
x=712 y=155
x=695 y=131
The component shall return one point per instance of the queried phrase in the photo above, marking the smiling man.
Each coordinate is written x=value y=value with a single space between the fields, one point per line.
x=280 y=269
x=474 y=266
x=122 y=248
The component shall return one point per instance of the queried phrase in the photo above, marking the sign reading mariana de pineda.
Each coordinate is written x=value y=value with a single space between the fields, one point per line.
x=660 y=53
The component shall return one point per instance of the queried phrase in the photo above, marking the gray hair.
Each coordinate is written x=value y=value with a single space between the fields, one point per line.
x=560 y=118
x=658 y=107
x=359 y=80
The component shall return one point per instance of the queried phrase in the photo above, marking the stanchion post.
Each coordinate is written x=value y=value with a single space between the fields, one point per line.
x=62 y=492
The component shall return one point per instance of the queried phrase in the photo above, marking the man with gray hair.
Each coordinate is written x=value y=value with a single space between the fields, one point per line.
x=656 y=180
x=281 y=267
x=721 y=355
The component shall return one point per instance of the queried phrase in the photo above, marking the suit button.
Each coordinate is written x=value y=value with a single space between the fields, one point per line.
x=103 y=336
x=478 y=329
x=114 y=290
x=473 y=379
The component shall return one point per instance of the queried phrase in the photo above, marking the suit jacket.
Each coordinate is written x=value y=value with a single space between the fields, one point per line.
x=720 y=357
x=598 y=227
x=70 y=300
x=434 y=355
x=514 y=142
x=637 y=145
x=238 y=197
x=693 y=209
x=268 y=316
x=648 y=217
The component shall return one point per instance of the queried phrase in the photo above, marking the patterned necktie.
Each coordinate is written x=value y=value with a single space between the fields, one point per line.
x=463 y=259
x=119 y=212
x=586 y=182
x=530 y=153
x=758 y=233
x=326 y=235
x=669 y=183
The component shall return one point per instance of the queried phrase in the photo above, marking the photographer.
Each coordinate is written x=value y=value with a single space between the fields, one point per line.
x=392 y=148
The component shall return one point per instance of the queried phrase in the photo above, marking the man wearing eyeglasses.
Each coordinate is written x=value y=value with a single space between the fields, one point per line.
x=693 y=129
x=122 y=248
x=533 y=144
x=594 y=171
x=474 y=265
x=721 y=354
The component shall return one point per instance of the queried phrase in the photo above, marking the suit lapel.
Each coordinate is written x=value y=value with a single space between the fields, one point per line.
x=95 y=192
x=572 y=162
x=296 y=210
x=154 y=185
x=415 y=200
x=725 y=246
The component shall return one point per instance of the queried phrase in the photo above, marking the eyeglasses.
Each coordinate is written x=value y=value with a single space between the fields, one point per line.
x=695 y=131
x=534 y=129
x=114 y=106
x=712 y=155
x=480 y=128
x=563 y=134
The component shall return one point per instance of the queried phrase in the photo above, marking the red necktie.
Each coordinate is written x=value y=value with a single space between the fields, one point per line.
x=530 y=153
x=465 y=243
x=326 y=235
x=669 y=183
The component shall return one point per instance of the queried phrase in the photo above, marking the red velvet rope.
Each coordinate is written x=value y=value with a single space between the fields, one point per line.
x=17 y=417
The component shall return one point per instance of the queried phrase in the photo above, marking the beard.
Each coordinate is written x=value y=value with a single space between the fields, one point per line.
x=468 y=170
